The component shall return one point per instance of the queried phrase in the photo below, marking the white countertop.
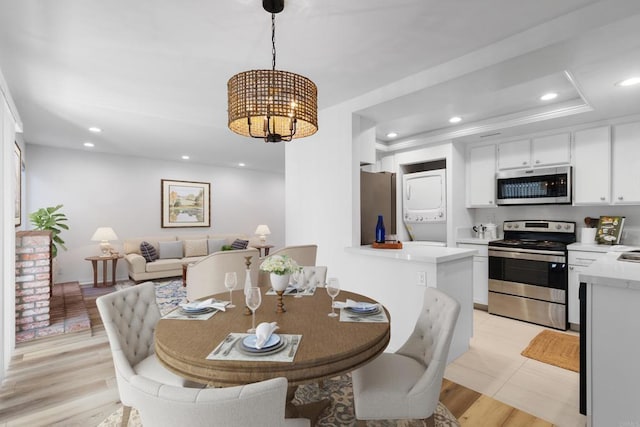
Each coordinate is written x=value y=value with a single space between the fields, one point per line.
x=594 y=247
x=608 y=271
x=430 y=254
x=474 y=240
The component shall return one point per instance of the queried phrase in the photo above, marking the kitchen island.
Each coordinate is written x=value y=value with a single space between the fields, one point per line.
x=397 y=278
x=612 y=346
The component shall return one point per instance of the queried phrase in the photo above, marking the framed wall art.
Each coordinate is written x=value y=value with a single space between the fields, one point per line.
x=185 y=204
x=18 y=193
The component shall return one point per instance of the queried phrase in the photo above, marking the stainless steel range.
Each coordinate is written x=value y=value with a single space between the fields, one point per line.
x=528 y=274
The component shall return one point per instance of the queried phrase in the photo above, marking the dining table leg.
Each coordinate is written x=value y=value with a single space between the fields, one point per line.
x=311 y=410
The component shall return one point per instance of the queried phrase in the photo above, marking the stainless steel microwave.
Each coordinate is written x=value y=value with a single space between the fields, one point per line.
x=534 y=186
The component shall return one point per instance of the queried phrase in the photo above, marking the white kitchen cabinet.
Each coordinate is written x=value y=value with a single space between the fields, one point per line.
x=578 y=263
x=551 y=150
x=514 y=154
x=540 y=151
x=592 y=166
x=480 y=272
x=481 y=177
x=625 y=171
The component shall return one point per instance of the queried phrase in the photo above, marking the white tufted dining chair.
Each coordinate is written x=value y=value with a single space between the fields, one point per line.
x=315 y=275
x=257 y=404
x=129 y=317
x=406 y=384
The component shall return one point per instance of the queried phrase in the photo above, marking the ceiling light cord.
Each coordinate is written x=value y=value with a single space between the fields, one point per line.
x=273 y=41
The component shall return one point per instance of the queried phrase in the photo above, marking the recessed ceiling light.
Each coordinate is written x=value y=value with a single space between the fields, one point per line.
x=455 y=119
x=629 y=82
x=392 y=134
x=89 y=144
x=241 y=164
x=185 y=157
x=549 y=96
x=95 y=129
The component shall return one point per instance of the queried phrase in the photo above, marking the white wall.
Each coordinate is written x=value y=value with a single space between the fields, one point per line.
x=123 y=192
x=9 y=123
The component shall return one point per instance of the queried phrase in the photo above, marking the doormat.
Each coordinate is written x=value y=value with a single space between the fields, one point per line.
x=555 y=348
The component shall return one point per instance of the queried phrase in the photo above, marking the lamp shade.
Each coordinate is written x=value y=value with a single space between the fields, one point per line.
x=104 y=234
x=263 y=230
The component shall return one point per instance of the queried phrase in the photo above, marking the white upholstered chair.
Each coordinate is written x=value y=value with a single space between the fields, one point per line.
x=257 y=404
x=406 y=384
x=165 y=399
x=130 y=316
x=315 y=275
x=206 y=276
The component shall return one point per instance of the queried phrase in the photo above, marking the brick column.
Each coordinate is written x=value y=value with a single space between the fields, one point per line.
x=33 y=282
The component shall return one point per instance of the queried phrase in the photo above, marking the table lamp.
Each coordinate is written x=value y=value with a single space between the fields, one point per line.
x=262 y=231
x=103 y=235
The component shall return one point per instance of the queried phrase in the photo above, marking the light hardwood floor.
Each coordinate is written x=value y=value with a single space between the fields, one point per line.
x=494 y=366
x=69 y=381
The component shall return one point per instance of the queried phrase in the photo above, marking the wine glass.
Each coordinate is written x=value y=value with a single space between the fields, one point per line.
x=333 y=289
x=301 y=283
x=230 y=282
x=253 y=300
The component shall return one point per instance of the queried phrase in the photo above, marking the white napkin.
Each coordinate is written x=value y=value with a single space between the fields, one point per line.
x=263 y=333
x=349 y=303
x=211 y=302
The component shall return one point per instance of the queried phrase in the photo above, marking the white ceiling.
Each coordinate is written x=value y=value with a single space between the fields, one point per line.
x=152 y=73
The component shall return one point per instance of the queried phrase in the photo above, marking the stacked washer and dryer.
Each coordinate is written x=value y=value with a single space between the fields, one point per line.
x=424 y=207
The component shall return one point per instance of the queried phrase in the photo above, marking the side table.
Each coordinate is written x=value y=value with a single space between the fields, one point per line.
x=105 y=259
x=261 y=247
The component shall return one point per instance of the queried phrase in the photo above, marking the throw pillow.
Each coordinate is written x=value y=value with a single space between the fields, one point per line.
x=170 y=249
x=195 y=248
x=215 y=245
x=239 y=244
x=148 y=251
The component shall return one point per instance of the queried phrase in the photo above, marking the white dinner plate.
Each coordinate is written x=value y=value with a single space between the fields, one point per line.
x=364 y=307
x=251 y=340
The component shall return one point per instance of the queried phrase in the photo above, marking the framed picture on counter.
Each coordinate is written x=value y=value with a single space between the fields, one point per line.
x=185 y=204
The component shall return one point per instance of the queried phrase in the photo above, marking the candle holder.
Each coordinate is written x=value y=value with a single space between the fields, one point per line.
x=280 y=304
x=247 y=283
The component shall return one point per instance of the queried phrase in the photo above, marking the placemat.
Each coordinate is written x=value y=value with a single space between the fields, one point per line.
x=228 y=350
x=294 y=291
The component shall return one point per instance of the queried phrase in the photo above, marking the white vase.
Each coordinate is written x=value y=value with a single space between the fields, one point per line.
x=279 y=282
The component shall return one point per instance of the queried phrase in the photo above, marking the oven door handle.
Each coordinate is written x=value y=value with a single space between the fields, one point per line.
x=526 y=256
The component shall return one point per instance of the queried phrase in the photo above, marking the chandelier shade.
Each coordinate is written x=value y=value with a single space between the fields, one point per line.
x=272 y=104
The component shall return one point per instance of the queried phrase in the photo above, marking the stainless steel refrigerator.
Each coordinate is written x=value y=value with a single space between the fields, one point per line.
x=377 y=197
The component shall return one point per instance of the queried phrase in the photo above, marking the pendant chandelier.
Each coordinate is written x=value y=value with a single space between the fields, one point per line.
x=273 y=105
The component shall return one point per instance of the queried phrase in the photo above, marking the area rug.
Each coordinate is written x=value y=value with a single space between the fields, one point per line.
x=555 y=348
x=169 y=293
x=339 y=414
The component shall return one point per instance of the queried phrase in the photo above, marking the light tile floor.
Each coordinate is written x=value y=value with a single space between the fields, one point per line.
x=493 y=366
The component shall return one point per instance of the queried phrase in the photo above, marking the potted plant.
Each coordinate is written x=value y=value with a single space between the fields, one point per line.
x=280 y=268
x=52 y=220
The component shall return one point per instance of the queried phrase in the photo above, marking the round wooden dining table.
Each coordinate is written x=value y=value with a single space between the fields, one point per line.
x=327 y=348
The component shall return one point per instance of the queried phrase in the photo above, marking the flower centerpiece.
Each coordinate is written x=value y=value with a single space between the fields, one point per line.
x=280 y=267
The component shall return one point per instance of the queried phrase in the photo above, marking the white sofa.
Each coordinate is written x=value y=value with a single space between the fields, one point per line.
x=192 y=250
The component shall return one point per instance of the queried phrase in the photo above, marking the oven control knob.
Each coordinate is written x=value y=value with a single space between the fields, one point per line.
x=567 y=226
x=516 y=226
x=558 y=226
x=508 y=225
